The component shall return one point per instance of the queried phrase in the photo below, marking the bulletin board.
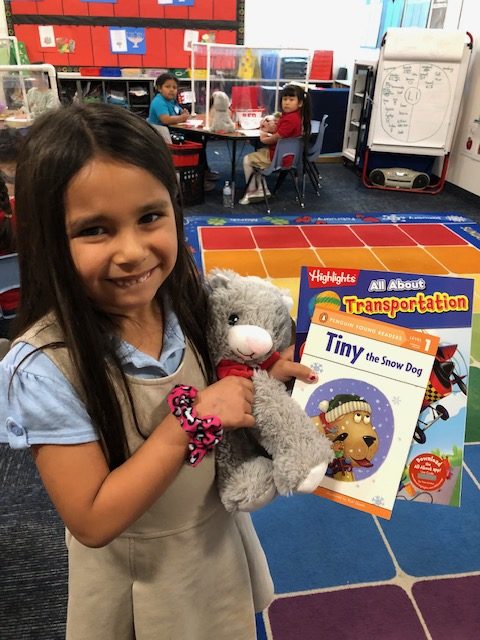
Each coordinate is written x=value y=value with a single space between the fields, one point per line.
x=419 y=84
x=121 y=33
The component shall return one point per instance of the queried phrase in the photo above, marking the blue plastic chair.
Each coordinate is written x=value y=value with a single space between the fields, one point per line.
x=311 y=154
x=287 y=160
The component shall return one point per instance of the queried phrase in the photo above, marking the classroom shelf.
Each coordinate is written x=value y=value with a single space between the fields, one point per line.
x=134 y=93
x=358 y=110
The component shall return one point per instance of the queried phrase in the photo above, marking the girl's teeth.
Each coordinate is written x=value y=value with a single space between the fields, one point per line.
x=129 y=283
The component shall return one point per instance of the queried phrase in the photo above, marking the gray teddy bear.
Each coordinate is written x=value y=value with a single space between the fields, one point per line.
x=220 y=119
x=249 y=322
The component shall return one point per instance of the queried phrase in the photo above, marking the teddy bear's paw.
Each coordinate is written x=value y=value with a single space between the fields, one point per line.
x=311 y=482
x=249 y=487
x=259 y=502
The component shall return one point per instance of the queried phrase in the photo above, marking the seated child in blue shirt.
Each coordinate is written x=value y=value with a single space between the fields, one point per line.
x=164 y=108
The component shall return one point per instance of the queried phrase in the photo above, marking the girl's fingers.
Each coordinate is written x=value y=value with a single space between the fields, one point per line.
x=301 y=372
x=285 y=369
x=248 y=421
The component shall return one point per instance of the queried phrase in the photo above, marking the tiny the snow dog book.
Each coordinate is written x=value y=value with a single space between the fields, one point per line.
x=372 y=381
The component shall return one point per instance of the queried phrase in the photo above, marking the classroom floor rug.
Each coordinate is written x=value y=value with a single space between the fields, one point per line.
x=340 y=572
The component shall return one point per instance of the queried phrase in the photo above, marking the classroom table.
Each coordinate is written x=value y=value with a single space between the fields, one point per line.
x=201 y=134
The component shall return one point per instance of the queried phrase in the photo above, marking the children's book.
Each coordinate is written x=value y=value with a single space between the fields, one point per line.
x=438 y=306
x=372 y=380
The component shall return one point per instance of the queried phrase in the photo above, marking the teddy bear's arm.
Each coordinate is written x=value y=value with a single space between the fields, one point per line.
x=299 y=451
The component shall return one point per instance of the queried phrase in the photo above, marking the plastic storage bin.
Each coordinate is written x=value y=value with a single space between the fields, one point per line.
x=190 y=180
x=186 y=154
x=89 y=71
x=249 y=118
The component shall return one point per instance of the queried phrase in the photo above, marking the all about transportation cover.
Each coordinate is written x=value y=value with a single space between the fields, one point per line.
x=439 y=305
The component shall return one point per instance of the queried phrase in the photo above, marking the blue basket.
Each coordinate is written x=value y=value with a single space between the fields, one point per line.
x=111 y=72
x=268 y=65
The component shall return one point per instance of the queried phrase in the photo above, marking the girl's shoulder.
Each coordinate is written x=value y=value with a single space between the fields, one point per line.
x=39 y=405
x=27 y=353
x=27 y=359
x=42 y=332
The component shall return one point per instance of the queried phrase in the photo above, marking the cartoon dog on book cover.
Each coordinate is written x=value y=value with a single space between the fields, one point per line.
x=346 y=421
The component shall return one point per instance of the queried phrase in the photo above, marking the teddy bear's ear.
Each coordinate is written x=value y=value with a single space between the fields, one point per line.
x=217 y=278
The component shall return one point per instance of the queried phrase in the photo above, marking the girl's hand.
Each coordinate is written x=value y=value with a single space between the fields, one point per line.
x=184 y=116
x=285 y=369
x=264 y=136
x=230 y=399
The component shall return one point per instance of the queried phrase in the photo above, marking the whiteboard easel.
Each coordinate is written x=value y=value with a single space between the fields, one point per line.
x=420 y=79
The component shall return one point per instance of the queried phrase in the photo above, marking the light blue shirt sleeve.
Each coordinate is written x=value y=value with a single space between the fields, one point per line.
x=38 y=405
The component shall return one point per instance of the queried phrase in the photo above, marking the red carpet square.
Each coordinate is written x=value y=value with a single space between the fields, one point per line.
x=384 y=235
x=428 y=234
x=226 y=238
x=332 y=236
x=279 y=237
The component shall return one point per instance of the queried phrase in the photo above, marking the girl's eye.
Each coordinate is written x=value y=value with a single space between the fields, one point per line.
x=91 y=231
x=149 y=218
x=233 y=319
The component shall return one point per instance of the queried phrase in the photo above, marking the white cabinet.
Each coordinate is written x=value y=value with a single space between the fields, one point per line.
x=358 y=111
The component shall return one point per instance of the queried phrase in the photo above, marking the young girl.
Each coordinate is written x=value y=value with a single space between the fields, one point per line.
x=294 y=122
x=40 y=97
x=164 y=108
x=112 y=318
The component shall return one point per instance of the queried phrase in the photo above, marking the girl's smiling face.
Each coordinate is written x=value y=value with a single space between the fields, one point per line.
x=122 y=233
x=169 y=90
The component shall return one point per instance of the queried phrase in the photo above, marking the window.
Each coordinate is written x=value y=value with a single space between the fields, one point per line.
x=409 y=13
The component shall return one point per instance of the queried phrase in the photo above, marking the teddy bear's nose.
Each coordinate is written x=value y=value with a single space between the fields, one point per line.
x=250 y=340
x=259 y=343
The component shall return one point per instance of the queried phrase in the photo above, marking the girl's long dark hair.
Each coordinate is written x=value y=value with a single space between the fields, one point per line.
x=59 y=144
x=306 y=108
x=7 y=237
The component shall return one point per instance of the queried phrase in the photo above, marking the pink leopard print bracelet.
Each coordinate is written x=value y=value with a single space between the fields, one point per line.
x=204 y=433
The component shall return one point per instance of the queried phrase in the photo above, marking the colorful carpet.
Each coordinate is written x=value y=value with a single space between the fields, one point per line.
x=340 y=572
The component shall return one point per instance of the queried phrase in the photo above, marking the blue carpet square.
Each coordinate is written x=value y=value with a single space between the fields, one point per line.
x=312 y=543
x=472 y=459
x=261 y=633
x=433 y=539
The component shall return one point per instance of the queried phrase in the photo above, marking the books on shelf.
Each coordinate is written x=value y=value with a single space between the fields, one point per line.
x=415 y=395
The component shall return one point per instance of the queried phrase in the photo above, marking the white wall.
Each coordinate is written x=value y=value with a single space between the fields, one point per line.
x=463 y=170
x=338 y=25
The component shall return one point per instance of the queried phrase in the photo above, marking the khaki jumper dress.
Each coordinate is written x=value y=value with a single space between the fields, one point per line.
x=186 y=569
